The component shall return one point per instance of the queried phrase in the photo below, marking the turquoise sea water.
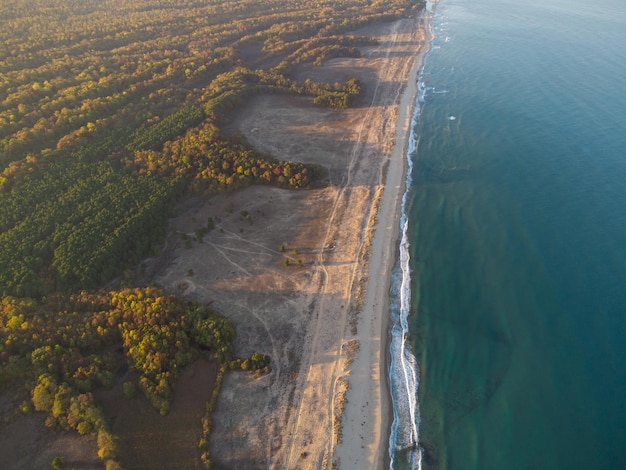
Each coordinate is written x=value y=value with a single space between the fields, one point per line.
x=517 y=232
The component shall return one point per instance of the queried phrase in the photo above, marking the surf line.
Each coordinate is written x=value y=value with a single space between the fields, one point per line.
x=403 y=368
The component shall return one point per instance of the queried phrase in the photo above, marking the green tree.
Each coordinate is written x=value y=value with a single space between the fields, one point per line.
x=58 y=463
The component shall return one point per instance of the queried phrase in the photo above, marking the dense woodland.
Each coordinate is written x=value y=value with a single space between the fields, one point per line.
x=110 y=112
x=65 y=347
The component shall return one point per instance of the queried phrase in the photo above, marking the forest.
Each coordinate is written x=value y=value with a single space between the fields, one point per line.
x=111 y=112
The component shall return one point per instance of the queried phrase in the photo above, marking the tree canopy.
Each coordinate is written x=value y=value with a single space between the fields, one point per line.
x=109 y=112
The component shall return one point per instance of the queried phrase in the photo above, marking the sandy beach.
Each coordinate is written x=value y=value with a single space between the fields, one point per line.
x=368 y=383
x=305 y=275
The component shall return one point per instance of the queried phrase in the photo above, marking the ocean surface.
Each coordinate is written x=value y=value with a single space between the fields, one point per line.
x=509 y=348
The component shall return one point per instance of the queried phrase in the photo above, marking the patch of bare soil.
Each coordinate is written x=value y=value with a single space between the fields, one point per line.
x=149 y=440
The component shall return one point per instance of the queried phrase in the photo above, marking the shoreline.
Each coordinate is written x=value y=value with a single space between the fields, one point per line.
x=382 y=260
x=306 y=278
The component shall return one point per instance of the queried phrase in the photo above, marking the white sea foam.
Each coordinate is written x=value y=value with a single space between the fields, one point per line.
x=403 y=368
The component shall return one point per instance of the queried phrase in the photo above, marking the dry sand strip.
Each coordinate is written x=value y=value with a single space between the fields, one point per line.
x=367 y=414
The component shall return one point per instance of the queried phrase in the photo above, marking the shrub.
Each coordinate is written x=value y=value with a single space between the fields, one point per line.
x=84 y=427
x=107 y=445
x=129 y=389
x=112 y=465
